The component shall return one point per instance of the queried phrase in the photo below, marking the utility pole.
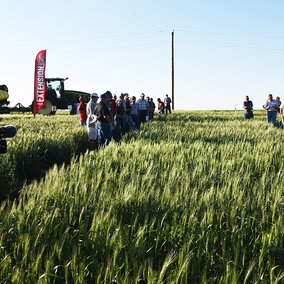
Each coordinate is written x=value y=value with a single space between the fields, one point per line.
x=173 y=72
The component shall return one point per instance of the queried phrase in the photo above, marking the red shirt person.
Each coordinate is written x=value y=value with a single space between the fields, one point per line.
x=82 y=109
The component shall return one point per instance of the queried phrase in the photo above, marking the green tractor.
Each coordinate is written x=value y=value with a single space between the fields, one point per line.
x=4 y=95
x=56 y=97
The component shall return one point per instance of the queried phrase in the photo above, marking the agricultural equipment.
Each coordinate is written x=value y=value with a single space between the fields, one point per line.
x=56 y=97
x=4 y=103
x=4 y=99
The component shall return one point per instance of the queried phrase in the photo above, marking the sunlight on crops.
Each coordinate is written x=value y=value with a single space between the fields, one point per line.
x=196 y=197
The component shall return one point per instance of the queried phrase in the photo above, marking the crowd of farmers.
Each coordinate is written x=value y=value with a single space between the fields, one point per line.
x=108 y=117
x=271 y=106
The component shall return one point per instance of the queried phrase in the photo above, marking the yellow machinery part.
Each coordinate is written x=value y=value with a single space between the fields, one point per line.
x=3 y=95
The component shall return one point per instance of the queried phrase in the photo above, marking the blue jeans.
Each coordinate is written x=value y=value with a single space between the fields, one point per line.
x=120 y=125
x=168 y=109
x=83 y=123
x=271 y=116
x=136 y=120
x=104 y=132
x=128 y=120
x=151 y=115
x=248 y=115
x=142 y=116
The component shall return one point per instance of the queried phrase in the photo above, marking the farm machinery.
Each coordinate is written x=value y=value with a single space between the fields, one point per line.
x=56 y=97
x=4 y=103
x=4 y=95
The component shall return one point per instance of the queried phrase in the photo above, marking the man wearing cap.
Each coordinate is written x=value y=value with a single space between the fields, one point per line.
x=271 y=106
x=142 y=108
x=121 y=97
x=91 y=122
x=103 y=120
x=167 y=102
x=248 y=105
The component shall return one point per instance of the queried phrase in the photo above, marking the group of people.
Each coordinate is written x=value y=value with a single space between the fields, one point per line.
x=271 y=106
x=112 y=117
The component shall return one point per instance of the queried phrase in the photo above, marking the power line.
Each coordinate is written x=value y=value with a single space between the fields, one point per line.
x=231 y=34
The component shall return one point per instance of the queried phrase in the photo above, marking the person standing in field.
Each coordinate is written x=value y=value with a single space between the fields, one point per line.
x=91 y=122
x=248 y=108
x=120 y=118
x=282 y=113
x=153 y=107
x=112 y=102
x=271 y=106
x=121 y=97
x=128 y=118
x=161 y=106
x=134 y=112
x=103 y=121
x=167 y=102
x=142 y=108
x=278 y=100
x=148 y=115
x=82 y=111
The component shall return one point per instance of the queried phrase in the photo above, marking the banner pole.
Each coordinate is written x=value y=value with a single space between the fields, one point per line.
x=173 y=73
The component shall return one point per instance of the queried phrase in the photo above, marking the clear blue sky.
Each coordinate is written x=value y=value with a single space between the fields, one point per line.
x=224 y=49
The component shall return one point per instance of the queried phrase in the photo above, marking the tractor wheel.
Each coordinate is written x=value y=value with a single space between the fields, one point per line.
x=47 y=109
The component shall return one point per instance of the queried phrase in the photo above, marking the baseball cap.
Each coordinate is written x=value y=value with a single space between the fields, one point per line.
x=133 y=98
x=103 y=96
x=94 y=95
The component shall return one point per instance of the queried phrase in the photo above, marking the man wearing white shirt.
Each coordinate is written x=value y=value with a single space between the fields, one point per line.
x=271 y=106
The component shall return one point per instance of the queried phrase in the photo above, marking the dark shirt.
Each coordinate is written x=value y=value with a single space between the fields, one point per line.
x=120 y=111
x=167 y=101
x=247 y=104
x=101 y=110
x=128 y=108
